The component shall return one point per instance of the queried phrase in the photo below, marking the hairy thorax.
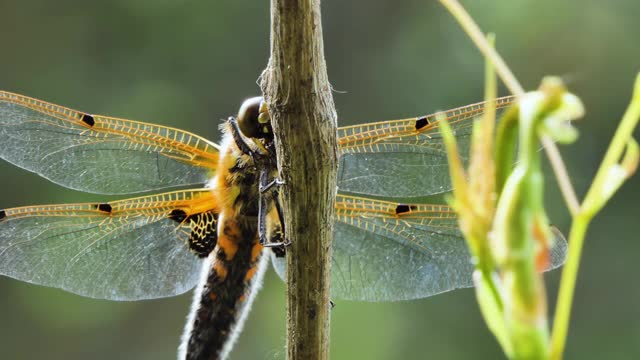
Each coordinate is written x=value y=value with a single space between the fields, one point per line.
x=237 y=176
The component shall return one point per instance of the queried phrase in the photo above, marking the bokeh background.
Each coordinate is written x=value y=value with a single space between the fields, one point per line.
x=189 y=64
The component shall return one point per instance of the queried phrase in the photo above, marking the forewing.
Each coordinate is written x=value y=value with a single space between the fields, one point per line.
x=404 y=158
x=99 y=154
x=123 y=250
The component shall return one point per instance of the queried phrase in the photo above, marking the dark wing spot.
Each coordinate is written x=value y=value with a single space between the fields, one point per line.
x=104 y=207
x=3 y=214
x=422 y=122
x=177 y=215
x=403 y=208
x=88 y=119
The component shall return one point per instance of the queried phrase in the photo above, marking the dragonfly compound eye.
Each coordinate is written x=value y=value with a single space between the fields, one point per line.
x=253 y=122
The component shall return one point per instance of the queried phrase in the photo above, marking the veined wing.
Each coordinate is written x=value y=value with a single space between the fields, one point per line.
x=385 y=251
x=100 y=154
x=404 y=158
x=123 y=250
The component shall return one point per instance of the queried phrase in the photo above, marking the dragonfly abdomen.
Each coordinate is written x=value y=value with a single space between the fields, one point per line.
x=225 y=290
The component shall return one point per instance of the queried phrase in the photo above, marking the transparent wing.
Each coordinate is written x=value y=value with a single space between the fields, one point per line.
x=384 y=251
x=100 y=154
x=123 y=250
x=404 y=158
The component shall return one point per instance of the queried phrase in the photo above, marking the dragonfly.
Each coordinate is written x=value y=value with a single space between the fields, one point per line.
x=206 y=213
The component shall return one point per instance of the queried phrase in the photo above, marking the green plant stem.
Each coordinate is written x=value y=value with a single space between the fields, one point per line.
x=593 y=202
x=567 y=286
x=616 y=148
x=580 y=223
x=553 y=154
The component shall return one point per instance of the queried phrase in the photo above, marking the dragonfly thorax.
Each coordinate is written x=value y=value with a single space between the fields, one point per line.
x=242 y=160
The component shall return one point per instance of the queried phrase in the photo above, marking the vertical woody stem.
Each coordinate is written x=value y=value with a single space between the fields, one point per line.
x=297 y=91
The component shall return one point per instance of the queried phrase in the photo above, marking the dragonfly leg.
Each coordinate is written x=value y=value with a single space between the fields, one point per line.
x=269 y=186
x=238 y=138
x=262 y=218
x=275 y=242
x=279 y=252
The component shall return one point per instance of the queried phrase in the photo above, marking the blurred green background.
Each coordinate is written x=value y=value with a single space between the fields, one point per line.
x=190 y=63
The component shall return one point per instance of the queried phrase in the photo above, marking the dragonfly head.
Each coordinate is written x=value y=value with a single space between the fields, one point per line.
x=254 y=120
